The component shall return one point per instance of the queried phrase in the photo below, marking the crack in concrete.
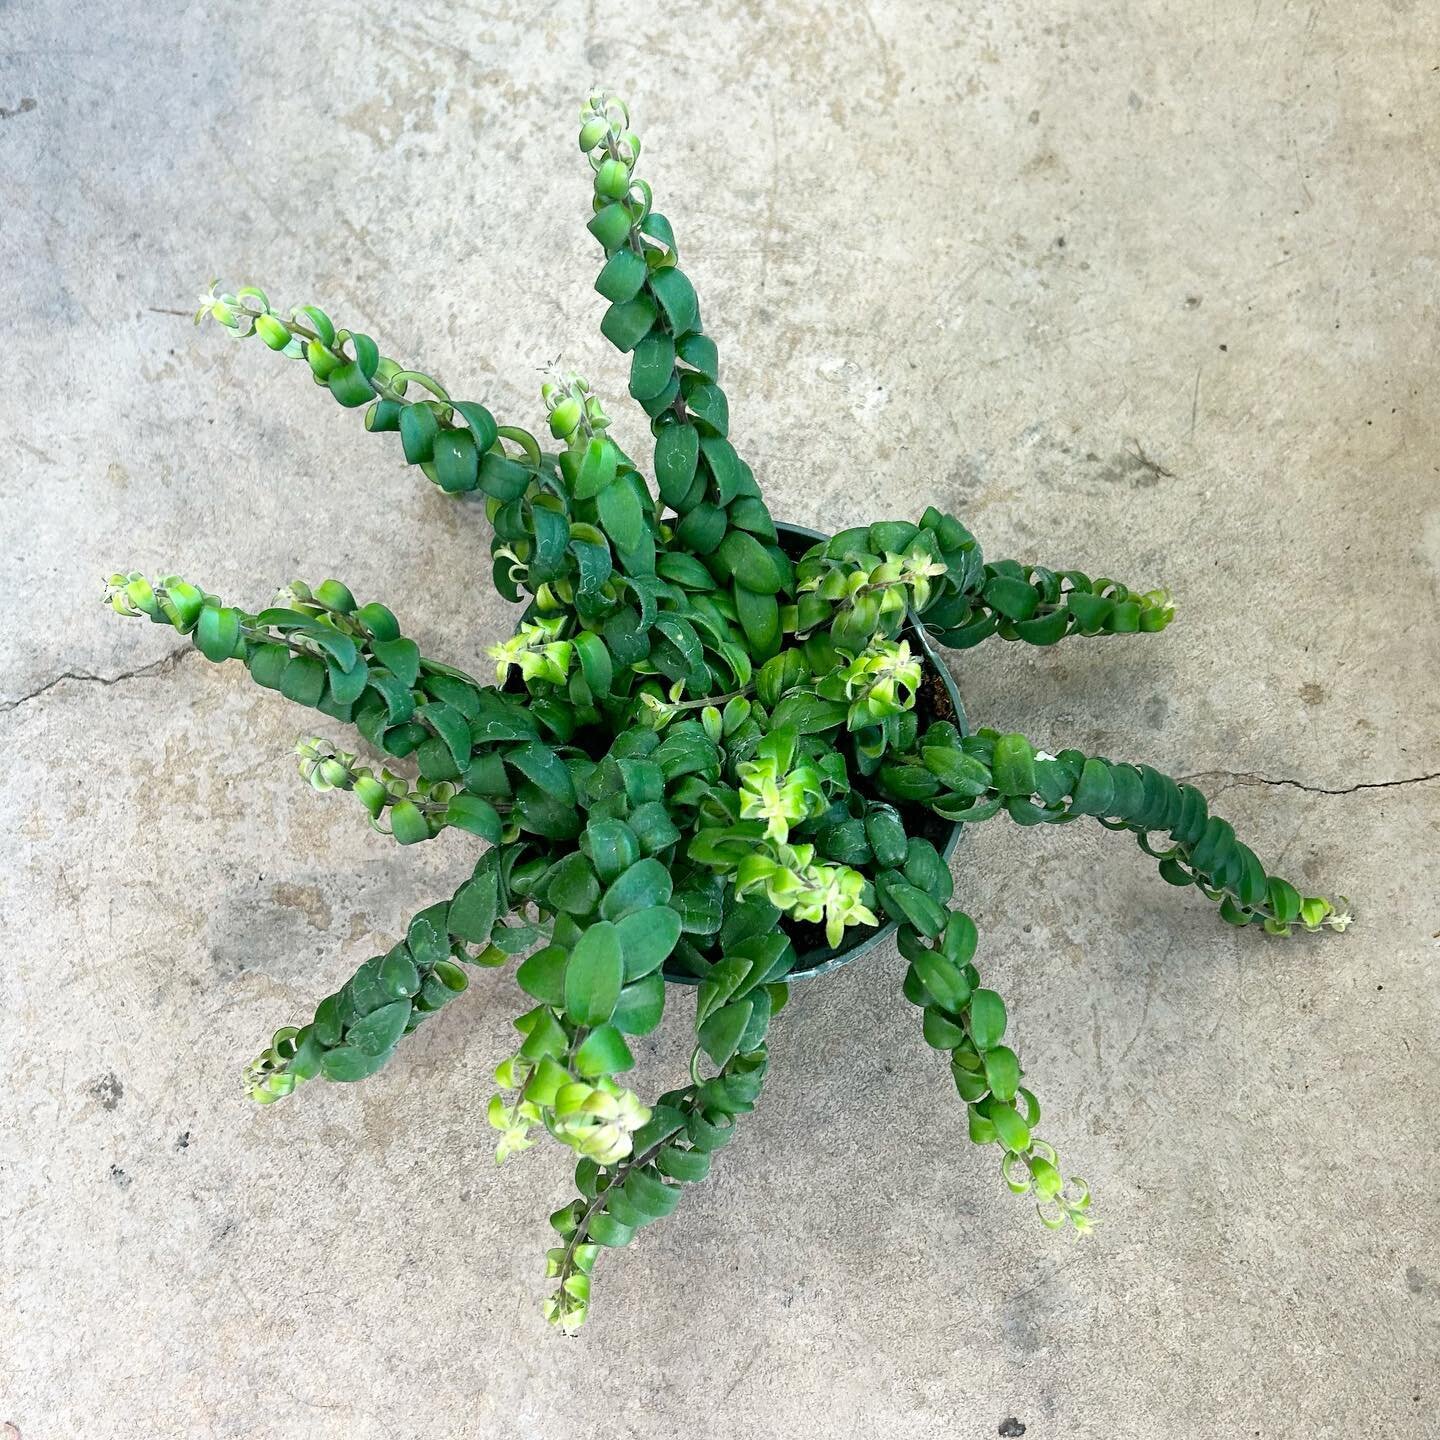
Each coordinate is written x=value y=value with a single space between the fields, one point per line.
x=162 y=666
x=1246 y=777
x=166 y=663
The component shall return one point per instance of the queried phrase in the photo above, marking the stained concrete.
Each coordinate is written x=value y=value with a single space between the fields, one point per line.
x=1145 y=289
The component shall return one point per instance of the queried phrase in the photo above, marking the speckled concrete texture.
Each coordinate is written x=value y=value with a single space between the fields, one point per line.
x=1147 y=289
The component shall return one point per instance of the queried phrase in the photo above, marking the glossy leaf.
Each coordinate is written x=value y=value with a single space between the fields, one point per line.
x=594 y=975
x=645 y=884
x=987 y=1019
x=621 y=516
x=647 y=938
x=677 y=299
x=677 y=450
x=603 y=1052
x=378 y=1031
x=721 y=1032
x=640 y=1006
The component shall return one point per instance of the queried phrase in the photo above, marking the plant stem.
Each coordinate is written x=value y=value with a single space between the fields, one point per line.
x=616 y=1178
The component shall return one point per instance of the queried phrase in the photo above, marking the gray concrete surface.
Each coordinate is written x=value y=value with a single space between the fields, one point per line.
x=1148 y=289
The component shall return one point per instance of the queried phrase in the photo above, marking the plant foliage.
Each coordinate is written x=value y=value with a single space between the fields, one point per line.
x=707 y=753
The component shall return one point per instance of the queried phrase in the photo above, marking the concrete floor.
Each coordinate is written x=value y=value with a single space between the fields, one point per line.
x=1145 y=289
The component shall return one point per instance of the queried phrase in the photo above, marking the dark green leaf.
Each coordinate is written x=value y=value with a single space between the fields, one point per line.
x=621 y=516
x=751 y=563
x=677 y=448
x=1044 y=629
x=678 y=1164
x=267 y=664
x=721 y=1032
x=698 y=351
x=478 y=816
x=428 y=936
x=1013 y=598
x=640 y=1006
x=598 y=465
x=401 y=657
x=1002 y=1072
x=475 y=909
x=551 y=533
x=622 y=276
x=408 y=824
x=646 y=938
x=435 y=760
x=649 y=1194
x=1095 y=791
x=349 y=386
x=677 y=299
x=218 y=631
x=688 y=750
x=987 y=1019
x=1013 y=765
x=702 y=529
x=543 y=975
x=725 y=466
x=651 y=365
x=945 y=982
x=760 y=619
x=544 y=813
x=610 y=225
x=709 y=409
x=378 y=1031
x=456 y=461
x=571 y=886
x=707 y=1136
x=594 y=564
x=328 y=1024
x=309 y=1055
x=907 y=902
x=969 y=1085
x=940 y=1031
x=418 y=429
x=960 y=938
x=347 y=686
x=594 y=975
x=303 y=680
x=924 y=869
x=398 y=974
x=502 y=477
x=399 y=702
x=664 y=1121
x=541 y=765
x=347 y=1063
x=626 y=324
x=483 y=429
x=886 y=835
x=612 y=846
x=651 y=822
x=644 y=884
x=452 y=727
x=808 y=714
x=682 y=636
x=608 y=1231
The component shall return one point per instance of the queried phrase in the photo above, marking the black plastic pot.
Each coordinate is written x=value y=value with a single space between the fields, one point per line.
x=795 y=540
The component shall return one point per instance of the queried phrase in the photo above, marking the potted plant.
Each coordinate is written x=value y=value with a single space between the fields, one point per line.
x=717 y=752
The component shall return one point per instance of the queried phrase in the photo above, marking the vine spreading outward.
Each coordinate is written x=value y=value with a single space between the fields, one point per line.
x=709 y=754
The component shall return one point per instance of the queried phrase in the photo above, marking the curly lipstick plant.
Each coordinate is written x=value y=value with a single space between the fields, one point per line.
x=715 y=753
